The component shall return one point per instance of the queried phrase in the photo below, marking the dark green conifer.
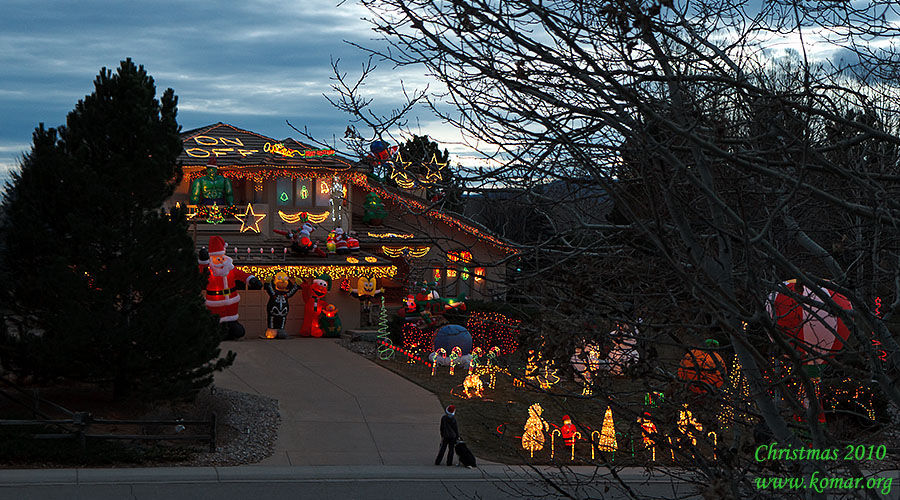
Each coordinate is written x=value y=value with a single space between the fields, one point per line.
x=103 y=283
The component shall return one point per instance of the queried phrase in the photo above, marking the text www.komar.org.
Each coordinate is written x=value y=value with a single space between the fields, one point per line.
x=821 y=483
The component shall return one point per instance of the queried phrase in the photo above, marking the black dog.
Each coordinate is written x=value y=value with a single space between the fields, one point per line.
x=466 y=457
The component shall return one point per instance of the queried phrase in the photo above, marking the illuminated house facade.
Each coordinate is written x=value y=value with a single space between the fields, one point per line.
x=275 y=181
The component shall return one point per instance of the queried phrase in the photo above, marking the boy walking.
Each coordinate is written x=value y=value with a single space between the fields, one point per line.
x=449 y=435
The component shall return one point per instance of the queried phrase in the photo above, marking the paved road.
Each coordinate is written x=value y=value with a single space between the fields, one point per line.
x=337 y=408
x=350 y=429
x=345 y=482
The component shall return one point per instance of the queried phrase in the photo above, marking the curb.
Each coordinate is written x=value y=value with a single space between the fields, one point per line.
x=324 y=473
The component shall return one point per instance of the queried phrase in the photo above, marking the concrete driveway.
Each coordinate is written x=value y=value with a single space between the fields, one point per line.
x=337 y=408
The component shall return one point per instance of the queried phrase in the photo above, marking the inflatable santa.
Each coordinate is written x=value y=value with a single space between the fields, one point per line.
x=222 y=298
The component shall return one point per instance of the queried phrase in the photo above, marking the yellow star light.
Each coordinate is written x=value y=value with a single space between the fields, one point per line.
x=246 y=224
x=401 y=175
x=434 y=174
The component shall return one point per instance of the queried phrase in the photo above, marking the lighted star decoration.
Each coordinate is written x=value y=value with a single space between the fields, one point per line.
x=434 y=170
x=246 y=223
x=401 y=175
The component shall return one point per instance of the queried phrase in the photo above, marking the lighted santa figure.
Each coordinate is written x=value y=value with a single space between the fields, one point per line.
x=352 y=242
x=340 y=242
x=301 y=239
x=568 y=431
x=222 y=298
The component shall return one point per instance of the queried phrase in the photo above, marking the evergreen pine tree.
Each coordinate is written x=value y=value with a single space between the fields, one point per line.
x=425 y=156
x=104 y=283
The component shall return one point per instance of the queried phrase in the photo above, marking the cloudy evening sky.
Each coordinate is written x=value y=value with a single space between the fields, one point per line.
x=253 y=63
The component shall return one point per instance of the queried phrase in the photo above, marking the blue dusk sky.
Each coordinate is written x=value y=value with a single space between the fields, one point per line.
x=253 y=63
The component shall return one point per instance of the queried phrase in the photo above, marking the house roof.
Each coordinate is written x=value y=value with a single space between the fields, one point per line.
x=418 y=206
x=243 y=154
x=238 y=150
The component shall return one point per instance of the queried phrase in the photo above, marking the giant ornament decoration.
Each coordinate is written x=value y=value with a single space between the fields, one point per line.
x=450 y=336
x=623 y=352
x=800 y=313
x=702 y=369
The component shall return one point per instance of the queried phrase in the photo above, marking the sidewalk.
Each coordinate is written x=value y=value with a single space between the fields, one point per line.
x=245 y=473
x=337 y=408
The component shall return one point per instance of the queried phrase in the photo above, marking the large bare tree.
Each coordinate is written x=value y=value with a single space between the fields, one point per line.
x=732 y=167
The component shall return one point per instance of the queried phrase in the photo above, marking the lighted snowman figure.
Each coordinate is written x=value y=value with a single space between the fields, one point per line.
x=535 y=426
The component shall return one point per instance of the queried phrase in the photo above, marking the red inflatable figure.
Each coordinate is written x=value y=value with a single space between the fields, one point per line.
x=567 y=431
x=222 y=298
x=314 y=304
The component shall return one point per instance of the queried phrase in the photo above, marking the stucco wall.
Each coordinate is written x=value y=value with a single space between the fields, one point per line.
x=253 y=310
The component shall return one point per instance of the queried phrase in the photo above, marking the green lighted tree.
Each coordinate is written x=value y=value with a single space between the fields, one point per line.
x=104 y=284
x=385 y=349
x=374 y=210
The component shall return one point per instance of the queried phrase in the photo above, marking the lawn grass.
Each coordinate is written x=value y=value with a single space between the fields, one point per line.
x=492 y=426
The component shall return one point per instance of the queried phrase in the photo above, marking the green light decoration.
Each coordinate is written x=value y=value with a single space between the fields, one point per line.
x=283 y=196
x=654 y=399
x=464 y=273
x=215 y=215
x=385 y=347
x=304 y=193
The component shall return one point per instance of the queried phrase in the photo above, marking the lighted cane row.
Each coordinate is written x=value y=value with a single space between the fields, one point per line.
x=605 y=439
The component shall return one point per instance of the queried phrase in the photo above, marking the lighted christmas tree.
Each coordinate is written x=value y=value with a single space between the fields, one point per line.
x=738 y=391
x=215 y=215
x=607 y=440
x=535 y=426
x=374 y=211
x=385 y=348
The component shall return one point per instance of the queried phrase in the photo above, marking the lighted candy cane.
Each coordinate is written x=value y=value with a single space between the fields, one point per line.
x=476 y=359
x=492 y=369
x=440 y=352
x=455 y=354
x=575 y=437
x=552 y=440
x=592 y=442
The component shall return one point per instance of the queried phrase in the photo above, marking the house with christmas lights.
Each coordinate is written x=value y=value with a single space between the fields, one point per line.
x=283 y=205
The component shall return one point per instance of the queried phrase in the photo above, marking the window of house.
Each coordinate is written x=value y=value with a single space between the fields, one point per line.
x=239 y=188
x=284 y=192
x=323 y=192
x=305 y=196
